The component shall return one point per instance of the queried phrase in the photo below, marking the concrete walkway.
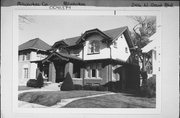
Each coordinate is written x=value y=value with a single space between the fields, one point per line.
x=67 y=101
x=63 y=102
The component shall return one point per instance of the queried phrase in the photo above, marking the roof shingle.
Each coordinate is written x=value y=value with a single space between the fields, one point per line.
x=36 y=43
x=112 y=33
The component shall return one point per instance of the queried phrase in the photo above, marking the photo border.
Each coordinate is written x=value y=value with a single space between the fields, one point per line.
x=84 y=11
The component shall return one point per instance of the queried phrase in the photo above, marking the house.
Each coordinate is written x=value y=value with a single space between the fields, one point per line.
x=32 y=50
x=151 y=48
x=94 y=58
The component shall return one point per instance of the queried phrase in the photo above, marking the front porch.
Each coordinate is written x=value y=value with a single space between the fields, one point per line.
x=57 y=65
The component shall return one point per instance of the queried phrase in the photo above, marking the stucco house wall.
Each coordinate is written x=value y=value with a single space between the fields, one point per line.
x=104 y=51
x=120 y=50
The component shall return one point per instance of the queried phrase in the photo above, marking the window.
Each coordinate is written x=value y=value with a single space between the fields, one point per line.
x=94 y=47
x=93 y=70
x=115 y=44
x=25 y=72
x=126 y=49
x=26 y=56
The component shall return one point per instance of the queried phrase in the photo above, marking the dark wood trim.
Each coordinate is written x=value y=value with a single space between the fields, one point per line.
x=93 y=53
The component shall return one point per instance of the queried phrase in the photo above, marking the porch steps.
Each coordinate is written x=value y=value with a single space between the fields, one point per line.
x=52 y=86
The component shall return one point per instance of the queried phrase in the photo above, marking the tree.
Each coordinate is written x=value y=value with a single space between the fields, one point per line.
x=146 y=27
x=25 y=19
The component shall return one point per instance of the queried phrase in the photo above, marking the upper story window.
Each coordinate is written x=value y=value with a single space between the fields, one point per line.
x=25 y=57
x=115 y=44
x=94 y=47
x=126 y=49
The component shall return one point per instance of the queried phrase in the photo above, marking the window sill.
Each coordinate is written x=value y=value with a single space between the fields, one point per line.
x=93 y=53
x=94 y=78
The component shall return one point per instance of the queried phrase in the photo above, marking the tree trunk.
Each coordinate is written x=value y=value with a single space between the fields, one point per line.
x=144 y=76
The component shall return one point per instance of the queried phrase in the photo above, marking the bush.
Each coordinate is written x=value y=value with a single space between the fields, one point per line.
x=101 y=88
x=32 y=83
x=40 y=80
x=150 y=89
x=67 y=85
x=113 y=86
x=94 y=88
x=36 y=83
x=77 y=87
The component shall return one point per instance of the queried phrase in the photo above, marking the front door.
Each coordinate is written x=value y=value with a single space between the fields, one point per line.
x=59 y=72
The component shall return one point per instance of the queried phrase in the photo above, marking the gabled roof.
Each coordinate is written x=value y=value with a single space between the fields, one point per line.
x=152 y=45
x=36 y=44
x=61 y=56
x=114 y=33
x=111 y=35
x=97 y=31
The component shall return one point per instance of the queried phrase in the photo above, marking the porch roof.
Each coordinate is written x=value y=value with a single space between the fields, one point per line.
x=61 y=56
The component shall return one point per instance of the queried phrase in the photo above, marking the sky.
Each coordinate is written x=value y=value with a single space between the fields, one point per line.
x=54 y=28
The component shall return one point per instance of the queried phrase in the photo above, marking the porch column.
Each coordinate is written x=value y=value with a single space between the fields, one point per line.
x=69 y=69
x=52 y=72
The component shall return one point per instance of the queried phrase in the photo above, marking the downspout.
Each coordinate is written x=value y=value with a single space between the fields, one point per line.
x=83 y=67
x=109 y=63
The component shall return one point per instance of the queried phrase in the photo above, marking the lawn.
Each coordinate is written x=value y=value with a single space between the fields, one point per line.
x=118 y=100
x=49 y=98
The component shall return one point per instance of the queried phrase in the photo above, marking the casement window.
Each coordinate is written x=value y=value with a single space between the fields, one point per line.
x=94 y=47
x=93 y=70
x=26 y=73
x=26 y=57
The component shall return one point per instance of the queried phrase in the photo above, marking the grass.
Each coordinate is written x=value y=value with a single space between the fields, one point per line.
x=49 y=98
x=119 y=100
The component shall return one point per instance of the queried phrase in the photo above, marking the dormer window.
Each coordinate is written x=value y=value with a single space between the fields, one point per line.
x=94 y=47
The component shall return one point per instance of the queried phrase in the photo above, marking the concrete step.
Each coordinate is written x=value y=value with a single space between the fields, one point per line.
x=52 y=86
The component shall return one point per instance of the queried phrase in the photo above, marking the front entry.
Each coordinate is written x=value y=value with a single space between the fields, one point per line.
x=60 y=68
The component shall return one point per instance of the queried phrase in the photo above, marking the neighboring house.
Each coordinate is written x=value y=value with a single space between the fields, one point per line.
x=32 y=50
x=151 y=48
x=94 y=58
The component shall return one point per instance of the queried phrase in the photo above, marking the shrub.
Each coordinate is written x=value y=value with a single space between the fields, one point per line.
x=95 y=88
x=113 y=86
x=77 y=87
x=87 y=87
x=32 y=83
x=40 y=81
x=67 y=85
x=101 y=88
x=150 y=89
